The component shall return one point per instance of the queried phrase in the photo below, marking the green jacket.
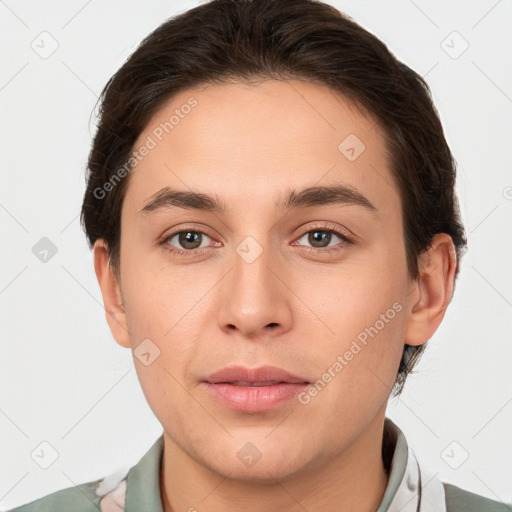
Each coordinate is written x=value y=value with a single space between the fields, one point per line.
x=138 y=490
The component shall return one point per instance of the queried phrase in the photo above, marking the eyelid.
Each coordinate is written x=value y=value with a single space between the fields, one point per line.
x=326 y=225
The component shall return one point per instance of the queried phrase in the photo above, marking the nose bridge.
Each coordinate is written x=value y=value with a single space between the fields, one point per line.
x=252 y=282
x=254 y=297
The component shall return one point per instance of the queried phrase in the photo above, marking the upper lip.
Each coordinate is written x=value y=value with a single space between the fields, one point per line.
x=267 y=374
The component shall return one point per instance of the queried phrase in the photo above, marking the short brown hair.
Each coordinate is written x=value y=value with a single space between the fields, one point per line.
x=247 y=40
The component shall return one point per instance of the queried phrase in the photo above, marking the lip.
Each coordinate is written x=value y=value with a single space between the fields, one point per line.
x=254 y=375
x=253 y=389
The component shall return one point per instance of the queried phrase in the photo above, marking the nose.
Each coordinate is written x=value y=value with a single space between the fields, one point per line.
x=255 y=297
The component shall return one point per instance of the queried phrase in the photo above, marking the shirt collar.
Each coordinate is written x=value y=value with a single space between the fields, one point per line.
x=412 y=487
x=143 y=481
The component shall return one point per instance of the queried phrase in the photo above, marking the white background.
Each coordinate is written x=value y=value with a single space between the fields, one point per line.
x=64 y=380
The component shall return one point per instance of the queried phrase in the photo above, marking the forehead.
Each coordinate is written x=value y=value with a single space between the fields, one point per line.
x=243 y=142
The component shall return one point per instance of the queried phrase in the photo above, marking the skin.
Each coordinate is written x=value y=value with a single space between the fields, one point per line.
x=249 y=145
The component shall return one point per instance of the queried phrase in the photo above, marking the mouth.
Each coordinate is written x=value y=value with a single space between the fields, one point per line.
x=247 y=383
x=253 y=389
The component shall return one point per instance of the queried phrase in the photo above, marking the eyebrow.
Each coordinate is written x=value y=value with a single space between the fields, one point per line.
x=312 y=196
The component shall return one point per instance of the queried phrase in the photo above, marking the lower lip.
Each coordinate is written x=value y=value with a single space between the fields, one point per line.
x=254 y=398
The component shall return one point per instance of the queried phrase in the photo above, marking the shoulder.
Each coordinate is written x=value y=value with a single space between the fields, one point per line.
x=105 y=494
x=79 y=498
x=458 y=499
x=108 y=494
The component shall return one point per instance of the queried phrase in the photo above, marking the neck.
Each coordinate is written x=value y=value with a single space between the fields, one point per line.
x=353 y=480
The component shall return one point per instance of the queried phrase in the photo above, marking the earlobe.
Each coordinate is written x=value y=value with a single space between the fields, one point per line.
x=111 y=292
x=433 y=290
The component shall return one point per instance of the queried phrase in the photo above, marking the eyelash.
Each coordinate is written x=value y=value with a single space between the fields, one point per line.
x=346 y=240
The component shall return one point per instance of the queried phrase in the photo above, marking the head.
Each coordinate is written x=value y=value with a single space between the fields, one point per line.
x=212 y=241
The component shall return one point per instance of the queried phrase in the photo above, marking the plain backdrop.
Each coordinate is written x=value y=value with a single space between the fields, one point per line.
x=64 y=380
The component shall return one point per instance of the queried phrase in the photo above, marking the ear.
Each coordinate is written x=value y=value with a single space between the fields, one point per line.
x=432 y=291
x=111 y=291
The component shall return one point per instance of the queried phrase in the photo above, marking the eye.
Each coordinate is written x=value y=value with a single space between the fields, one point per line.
x=185 y=241
x=323 y=239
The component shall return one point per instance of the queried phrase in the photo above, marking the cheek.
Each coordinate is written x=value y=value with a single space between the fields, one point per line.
x=159 y=301
x=162 y=314
x=163 y=323
x=357 y=369
x=343 y=300
x=359 y=314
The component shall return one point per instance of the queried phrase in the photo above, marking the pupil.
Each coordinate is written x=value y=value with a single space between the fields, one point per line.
x=190 y=237
x=319 y=236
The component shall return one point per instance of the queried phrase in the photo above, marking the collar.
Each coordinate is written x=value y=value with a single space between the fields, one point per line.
x=412 y=486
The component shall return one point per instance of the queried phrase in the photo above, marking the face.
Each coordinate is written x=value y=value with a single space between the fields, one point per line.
x=313 y=283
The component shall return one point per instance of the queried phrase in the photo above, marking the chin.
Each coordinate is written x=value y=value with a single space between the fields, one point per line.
x=262 y=474
x=250 y=465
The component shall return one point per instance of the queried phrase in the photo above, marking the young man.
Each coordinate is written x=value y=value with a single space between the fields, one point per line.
x=276 y=237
